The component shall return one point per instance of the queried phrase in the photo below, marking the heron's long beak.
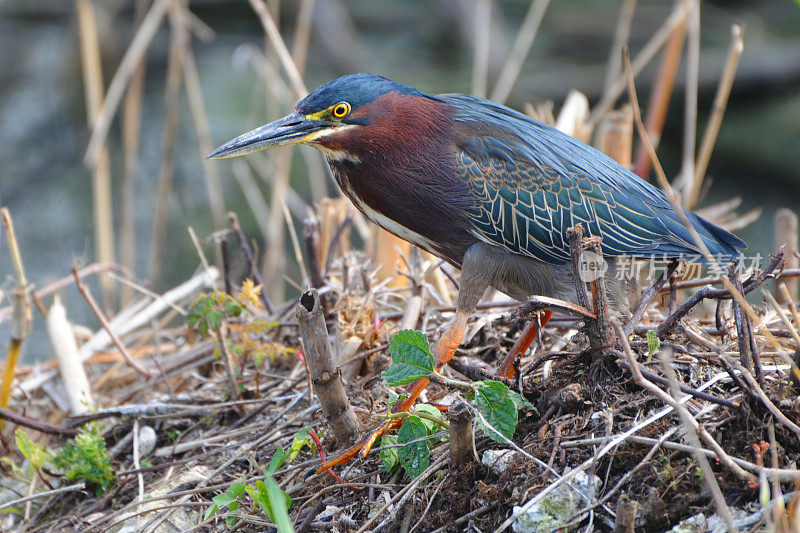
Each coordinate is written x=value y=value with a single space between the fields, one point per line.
x=291 y=129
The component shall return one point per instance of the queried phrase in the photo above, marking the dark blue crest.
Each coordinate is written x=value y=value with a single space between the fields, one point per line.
x=356 y=89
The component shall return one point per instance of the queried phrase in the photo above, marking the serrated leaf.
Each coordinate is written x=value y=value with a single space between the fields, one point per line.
x=415 y=456
x=389 y=456
x=411 y=358
x=494 y=402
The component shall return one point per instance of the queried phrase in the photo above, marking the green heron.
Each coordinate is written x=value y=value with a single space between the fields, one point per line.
x=489 y=190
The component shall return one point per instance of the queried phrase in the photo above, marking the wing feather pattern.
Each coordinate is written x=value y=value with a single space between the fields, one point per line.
x=531 y=182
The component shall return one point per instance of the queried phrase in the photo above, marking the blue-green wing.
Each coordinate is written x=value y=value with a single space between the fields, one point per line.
x=530 y=183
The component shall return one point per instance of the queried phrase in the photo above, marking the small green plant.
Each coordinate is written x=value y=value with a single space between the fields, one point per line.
x=412 y=359
x=87 y=459
x=653 y=344
x=209 y=310
x=265 y=494
x=84 y=459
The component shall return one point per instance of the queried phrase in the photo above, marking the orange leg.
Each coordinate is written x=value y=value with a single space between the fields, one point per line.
x=529 y=334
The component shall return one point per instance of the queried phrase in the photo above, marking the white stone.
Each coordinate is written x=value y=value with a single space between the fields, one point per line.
x=147 y=441
x=498 y=461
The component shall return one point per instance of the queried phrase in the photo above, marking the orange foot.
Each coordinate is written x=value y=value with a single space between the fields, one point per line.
x=443 y=352
x=529 y=334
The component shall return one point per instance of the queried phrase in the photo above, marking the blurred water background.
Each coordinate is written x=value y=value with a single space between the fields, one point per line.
x=426 y=44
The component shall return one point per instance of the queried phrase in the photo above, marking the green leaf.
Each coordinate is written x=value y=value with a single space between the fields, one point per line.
x=280 y=505
x=653 y=344
x=415 y=456
x=272 y=501
x=430 y=426
x=278 y=458
x=300 y=440
x=33 y=451
x=495 y=403
x=230 y=499
x=214 y=319
x=411 y=358
x=389 y=456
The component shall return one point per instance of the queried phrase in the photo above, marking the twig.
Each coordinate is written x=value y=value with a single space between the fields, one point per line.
x=755 y=387
x=647 y=297
x=575 y=236
x=45 y=494
x=87 y=295
x=689 y=425
x=785 y=474
x=43 y=427
x=723 y=457
x=403 y=494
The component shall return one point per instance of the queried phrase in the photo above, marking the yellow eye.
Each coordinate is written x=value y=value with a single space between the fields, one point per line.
x=341 y=110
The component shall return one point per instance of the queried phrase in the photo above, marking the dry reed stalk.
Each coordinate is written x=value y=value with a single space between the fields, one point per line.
x=687 y=176
x=621 y=36
x=660 y=96
x=784 y=317
x=334 y=238
x=21 y=317
x=252 y=194
x=116 y=89
x=641 y=60
x=197 y=107
x=102 y=202
x=274 y=36
x=709 y=479
x=179 y=40
x=481 y=44
x=519 y=50
x=131 y=136
x=298 y=253
x=302 y=33
x=717 y=113
x=789 y=301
